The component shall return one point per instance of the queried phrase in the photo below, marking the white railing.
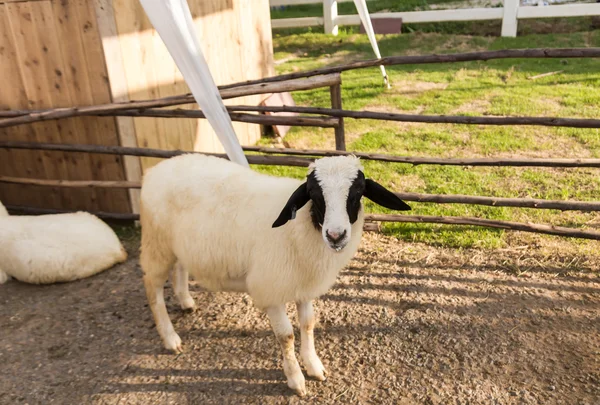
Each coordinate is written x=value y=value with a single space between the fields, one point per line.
x=510 y=14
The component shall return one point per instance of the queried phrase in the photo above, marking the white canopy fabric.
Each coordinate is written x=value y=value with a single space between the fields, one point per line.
x=363 y=12
x=173 y=22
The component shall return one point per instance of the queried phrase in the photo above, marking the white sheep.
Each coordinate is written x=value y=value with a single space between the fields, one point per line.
x=56 y=248
x=214 y=219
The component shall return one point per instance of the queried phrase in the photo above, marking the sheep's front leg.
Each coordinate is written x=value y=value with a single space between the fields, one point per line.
x=314 y=367
x=285 y=336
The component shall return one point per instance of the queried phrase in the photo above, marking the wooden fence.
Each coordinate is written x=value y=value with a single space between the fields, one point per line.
x=510 y=14
x=327 y=118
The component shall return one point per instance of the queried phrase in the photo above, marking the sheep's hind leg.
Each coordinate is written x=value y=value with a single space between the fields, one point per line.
x=285 y=336
x=314 y=367
x=155 y=276
x=180 y=281
x=3 y=277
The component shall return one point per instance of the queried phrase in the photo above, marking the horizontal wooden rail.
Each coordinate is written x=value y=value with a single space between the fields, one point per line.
x=501 y=202
x=148 y=152
x=297 y=22
x=408 y=17
x=283 y=161
x=12 y=118
x=415 y=160
x=562 y=53
x=322 y=122
x=515 y=226
x=44 y=211
x=432 y=119
x=71 y=183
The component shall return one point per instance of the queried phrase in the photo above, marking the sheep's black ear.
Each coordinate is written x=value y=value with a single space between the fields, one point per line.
x=382 y=196
x=298 y=199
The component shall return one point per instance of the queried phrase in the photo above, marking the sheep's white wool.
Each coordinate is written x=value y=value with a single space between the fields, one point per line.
x=216 y=217
x=343 y=166
x=57 y=248
x=232 y=229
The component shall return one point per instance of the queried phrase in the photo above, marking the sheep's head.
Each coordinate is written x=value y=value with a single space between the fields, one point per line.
x=335 y=186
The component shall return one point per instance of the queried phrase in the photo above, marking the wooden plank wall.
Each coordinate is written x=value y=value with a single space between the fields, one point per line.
x=236 y=40
x=51 y=56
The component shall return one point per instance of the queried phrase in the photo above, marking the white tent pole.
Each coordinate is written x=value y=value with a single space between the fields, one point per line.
x=173 y=22
x=363 y=12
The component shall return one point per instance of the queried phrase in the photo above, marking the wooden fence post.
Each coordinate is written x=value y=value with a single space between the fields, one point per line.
x=336 y=102
x=330 y=14
x=509 y=20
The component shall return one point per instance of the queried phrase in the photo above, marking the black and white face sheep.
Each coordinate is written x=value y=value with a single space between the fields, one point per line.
x=335 y=189
x=278 y=239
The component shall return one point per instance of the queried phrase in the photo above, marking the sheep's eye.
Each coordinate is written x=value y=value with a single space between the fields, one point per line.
x=353 y=199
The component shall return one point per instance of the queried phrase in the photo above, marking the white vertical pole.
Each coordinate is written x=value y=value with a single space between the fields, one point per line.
x=509 y=20
x=330 y=13
x=363 y=11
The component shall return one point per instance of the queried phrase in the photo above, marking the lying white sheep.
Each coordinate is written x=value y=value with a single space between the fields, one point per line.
x=215 y=219
x=55 y=248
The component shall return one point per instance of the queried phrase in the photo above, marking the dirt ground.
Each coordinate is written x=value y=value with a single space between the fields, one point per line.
x=406 y=324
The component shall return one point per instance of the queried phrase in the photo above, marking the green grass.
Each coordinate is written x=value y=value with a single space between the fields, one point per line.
x=497 y=87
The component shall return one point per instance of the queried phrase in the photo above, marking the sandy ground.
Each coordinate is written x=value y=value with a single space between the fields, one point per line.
x=406 y=324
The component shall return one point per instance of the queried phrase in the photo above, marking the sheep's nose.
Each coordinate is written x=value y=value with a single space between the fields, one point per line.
x=335 y=237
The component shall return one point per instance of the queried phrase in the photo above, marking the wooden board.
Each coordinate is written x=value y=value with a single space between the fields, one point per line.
x=129 y=18
x=30 y=61
x=60 y=53
x=107 y=134
x=242 y=51
x=56 y=63
x=20 y=162
x=117 y=90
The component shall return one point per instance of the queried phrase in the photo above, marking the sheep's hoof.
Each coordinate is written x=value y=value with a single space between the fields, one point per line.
x=315 y=369
x=298 y=385
x=173 y=343
x=318 y=376
x=188 y=304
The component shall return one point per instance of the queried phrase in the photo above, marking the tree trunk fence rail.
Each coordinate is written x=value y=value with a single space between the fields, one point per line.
x=326 y=118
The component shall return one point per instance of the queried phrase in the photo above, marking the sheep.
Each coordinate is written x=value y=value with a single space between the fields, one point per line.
x=56 y=248
x=278 y=239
